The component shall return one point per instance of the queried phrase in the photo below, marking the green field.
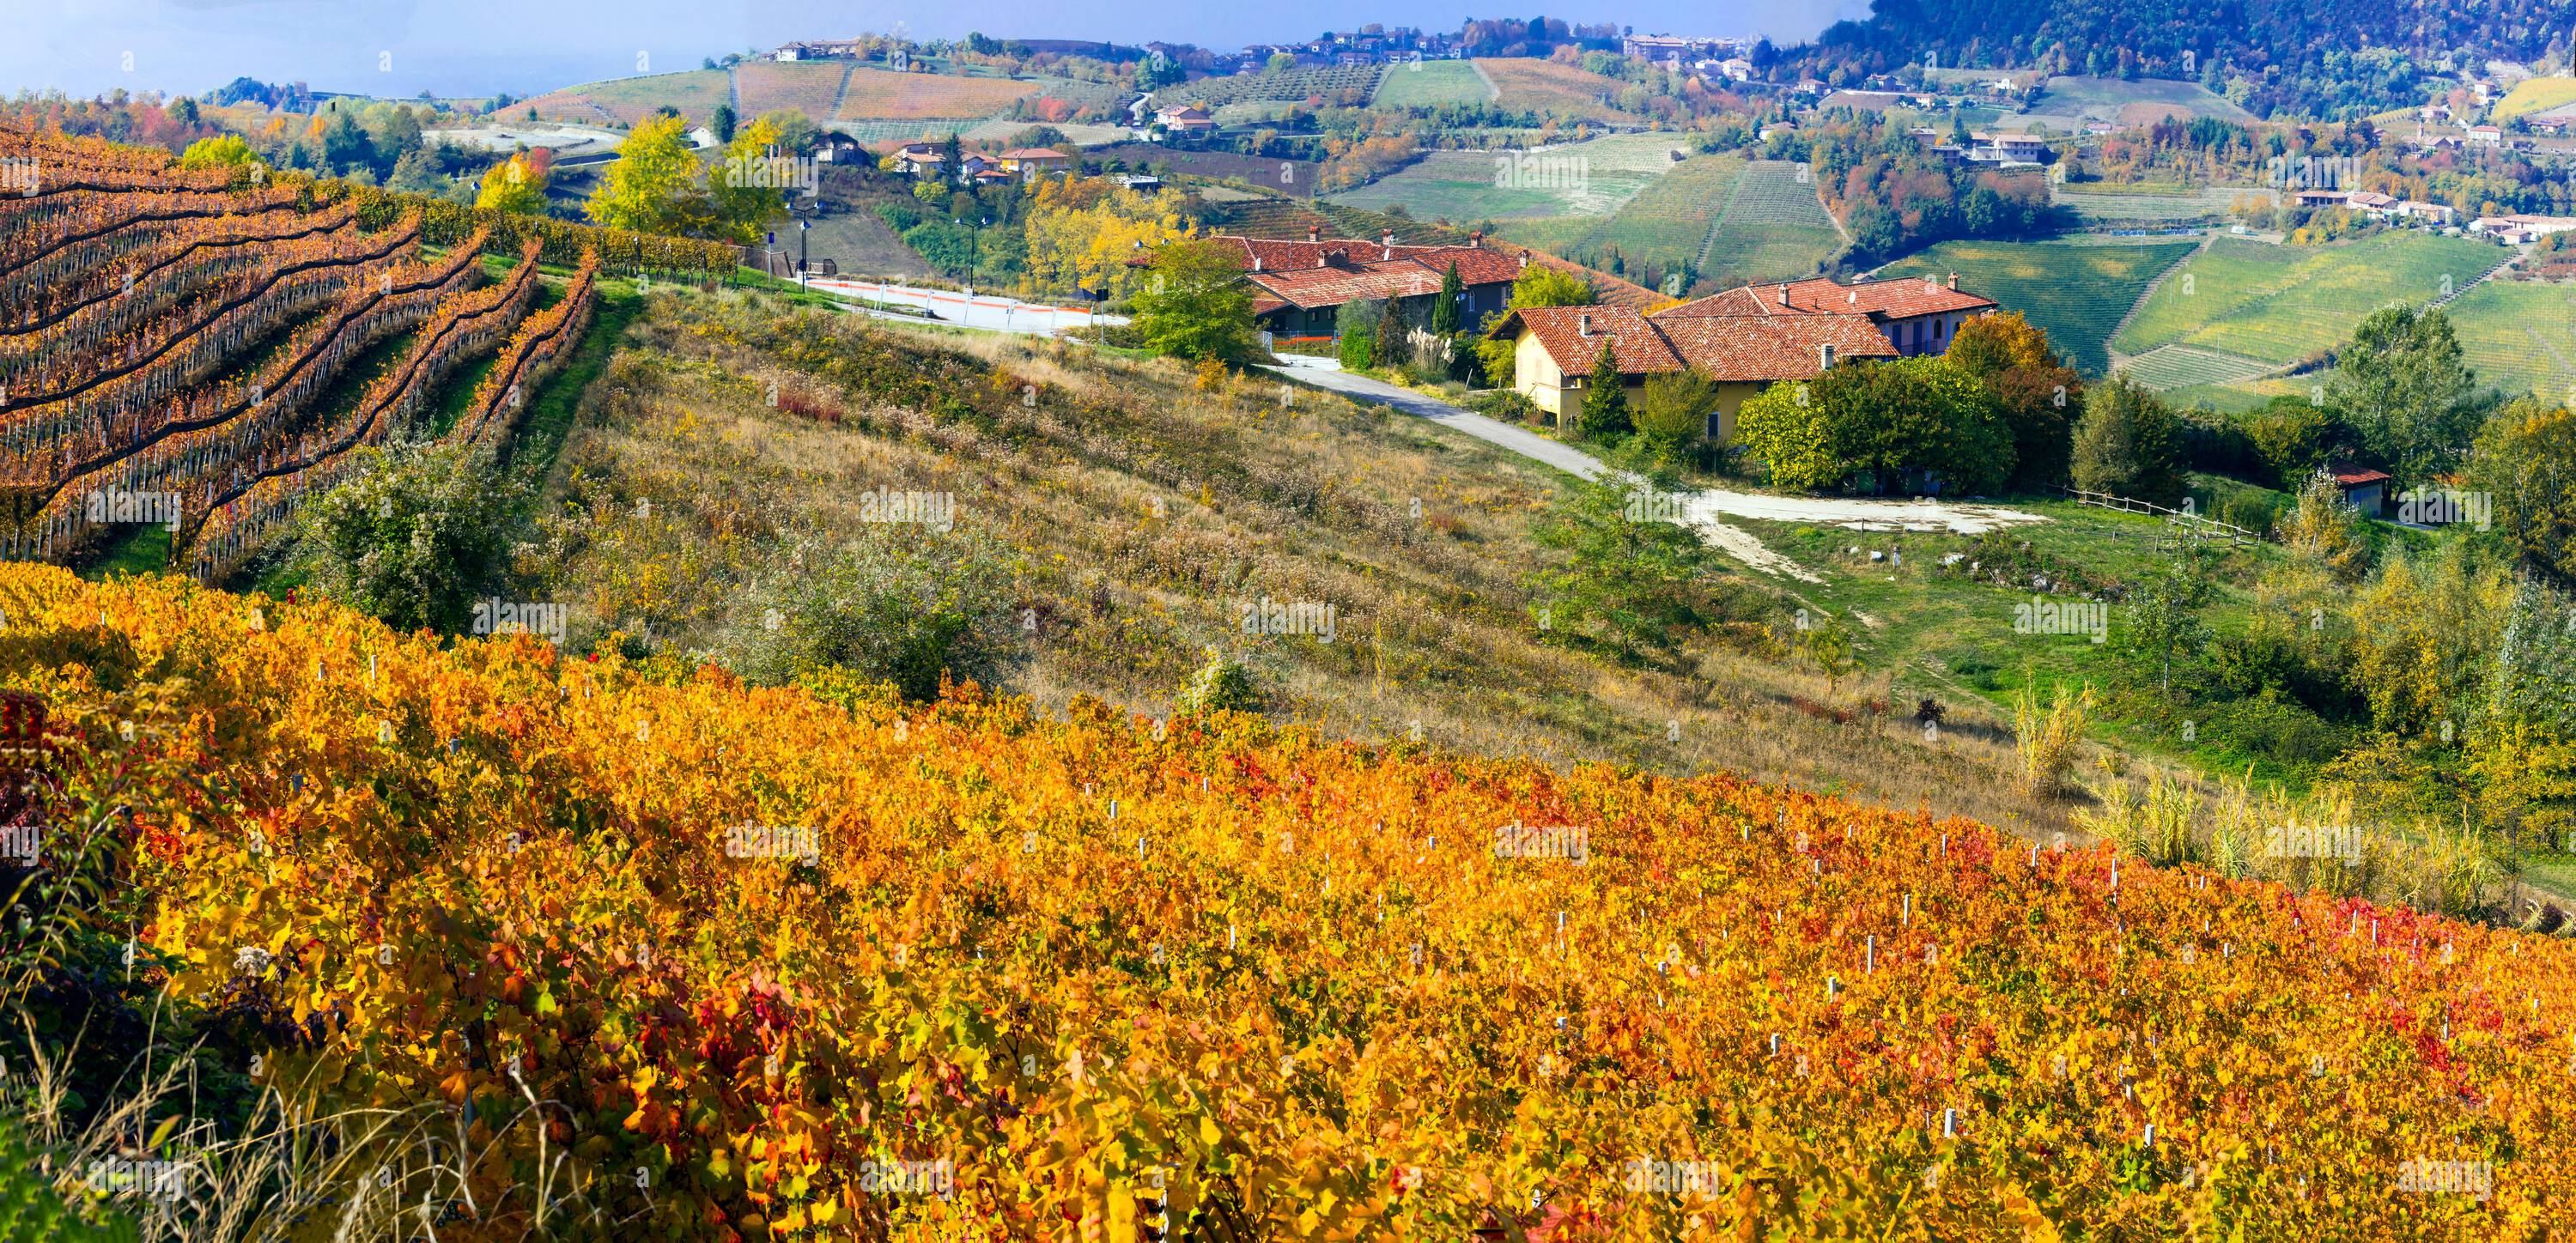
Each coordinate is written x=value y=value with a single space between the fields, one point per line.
x=2282 y=304
x=2519 y=335
x=2075 y=291
x=1431 y=84
x=1772 y=227
x=1591 y=179
x=2067 y=103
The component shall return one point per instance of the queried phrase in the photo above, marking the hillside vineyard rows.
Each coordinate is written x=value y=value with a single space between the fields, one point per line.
x=705 y=961
x=171 y=335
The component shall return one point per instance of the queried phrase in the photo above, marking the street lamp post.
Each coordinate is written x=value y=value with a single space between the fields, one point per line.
x=804 y=229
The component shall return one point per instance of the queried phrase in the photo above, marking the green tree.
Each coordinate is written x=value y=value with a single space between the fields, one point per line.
x=412 y=540
x=1194 y=304
x=1279 y=62
x=1605 y=398
x=652 y=187
x=2129 y=444
x=1627 y=579
x=1537 y=285
x=1890 y=419
x=2034 y=388
x=912 y=611
x=748 y=193
x=2164 y=611
x=2325 y=530
x=1444 y=311
x=1356 y=325
x=2525 y=461
x=1672 y=414
x=2294 y=438
x=221 y=151
x=721 y=122
x=2401 y=385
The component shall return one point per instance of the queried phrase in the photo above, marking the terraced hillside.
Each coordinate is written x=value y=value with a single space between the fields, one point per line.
x=269 y=336
x=2283 y=304
x=2075 y=290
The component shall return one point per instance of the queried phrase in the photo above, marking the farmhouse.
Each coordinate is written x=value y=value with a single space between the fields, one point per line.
x=1186 y=121
x=1554 y=349
x=1916 y=317
x=1032 y=162
x=1299 y=287
x=2519 y=227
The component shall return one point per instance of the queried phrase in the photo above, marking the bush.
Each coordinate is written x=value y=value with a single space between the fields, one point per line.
x=908 y=609
x=1508 y=405
x=1221 y=685
x=413 y=539
x=1882 y=420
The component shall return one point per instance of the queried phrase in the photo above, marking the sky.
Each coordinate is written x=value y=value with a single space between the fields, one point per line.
x=395 y=48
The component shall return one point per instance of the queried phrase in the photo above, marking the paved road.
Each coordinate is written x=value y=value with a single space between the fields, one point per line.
x=1704 y=510
x=982 y=310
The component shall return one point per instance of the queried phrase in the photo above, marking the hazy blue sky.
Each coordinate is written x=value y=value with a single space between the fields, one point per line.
x=473 y=47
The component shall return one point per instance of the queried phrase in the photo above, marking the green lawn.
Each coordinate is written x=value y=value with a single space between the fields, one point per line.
x=2074 y=291
x=1431 y=84
x=2282 y=304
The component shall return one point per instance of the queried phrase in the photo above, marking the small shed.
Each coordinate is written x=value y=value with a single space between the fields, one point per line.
x=2363 y=488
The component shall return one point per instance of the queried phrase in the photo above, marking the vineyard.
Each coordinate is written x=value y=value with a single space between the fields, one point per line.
x=2519 y=336
x=1328 y=83
x=810 y=87
x=626 y=101
x=1582 y=180
x=2076 y=291
x=1545 y=86
x=886 y=95
x=2282 y=304
x=165 y=340
x=682 y=958
x=2169 y=367
x=1772 y=228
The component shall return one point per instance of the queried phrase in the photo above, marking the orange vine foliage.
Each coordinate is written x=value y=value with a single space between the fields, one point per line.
x=669 y=956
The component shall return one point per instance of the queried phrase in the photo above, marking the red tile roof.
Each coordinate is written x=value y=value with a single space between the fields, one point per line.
x=2351 y=475
x=1894 y=299
x=1747 y=348
x=1573 y=335
x=1333 y=286
x=1033 y=153
x=1728 y=348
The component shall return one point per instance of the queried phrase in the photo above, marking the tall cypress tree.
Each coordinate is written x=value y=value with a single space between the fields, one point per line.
x=1444 y=313
x=1605 y=403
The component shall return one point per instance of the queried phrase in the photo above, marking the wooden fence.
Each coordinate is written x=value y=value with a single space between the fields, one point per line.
x=2192 y=521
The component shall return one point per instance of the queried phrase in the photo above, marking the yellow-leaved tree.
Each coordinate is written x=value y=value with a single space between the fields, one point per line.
x=1081 y=234
x=748 y=186
x=514 y=185
x=653 y=186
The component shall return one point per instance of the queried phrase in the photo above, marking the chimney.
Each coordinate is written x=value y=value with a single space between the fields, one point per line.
x=1954 y=282
x=1825 y=356
x=1314 y=232
x=1256 y=262
x=1784 y=295
x=1583 y=325
x=1853 y=297
x=1477 y=239
x=1524 y=259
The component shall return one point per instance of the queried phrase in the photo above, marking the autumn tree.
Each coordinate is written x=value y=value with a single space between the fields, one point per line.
x=2037 y=392
x=653 y=186
x=2128 y=443
x=513 y=186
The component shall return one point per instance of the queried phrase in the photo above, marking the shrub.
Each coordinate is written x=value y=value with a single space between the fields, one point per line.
x=1882 y=420
x=412 y=540
x=1223 y=684
x=1672 y=413
x=1509 y=405
x=918 y=611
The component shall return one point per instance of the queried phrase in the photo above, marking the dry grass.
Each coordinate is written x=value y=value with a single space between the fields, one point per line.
x=882 y=94
x=1147 y=513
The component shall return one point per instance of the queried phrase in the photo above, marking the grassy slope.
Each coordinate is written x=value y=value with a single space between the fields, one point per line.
x=1309 y=502
x=2076 y=292
x=1431 y=83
